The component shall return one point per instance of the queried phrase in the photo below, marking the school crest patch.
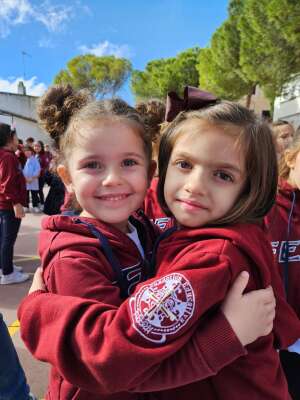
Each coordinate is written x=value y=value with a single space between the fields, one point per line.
x=162 y=307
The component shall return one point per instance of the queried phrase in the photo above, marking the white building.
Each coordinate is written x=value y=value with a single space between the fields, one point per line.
x=19 y=110
x=287 y=106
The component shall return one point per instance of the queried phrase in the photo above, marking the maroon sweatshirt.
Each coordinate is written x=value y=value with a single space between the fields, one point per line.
x=203 y=263
x=12 y=181
x=153 y=210
x=282 y=226
x=88 y=345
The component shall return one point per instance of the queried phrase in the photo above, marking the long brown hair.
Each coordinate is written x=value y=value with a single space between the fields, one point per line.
x=255 y=140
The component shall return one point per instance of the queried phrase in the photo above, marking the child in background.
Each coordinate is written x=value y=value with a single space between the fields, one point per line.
x=153 y=114
x=106 y=163
x=31 y=172
x=283 y=133
x=12 y=200
x=283 y=229
x=44 y=161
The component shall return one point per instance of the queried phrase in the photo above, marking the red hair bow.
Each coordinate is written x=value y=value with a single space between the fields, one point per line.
x=193 y=99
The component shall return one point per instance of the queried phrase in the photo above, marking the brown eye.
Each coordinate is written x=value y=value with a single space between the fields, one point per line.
x=224 y=176
x=129 y=162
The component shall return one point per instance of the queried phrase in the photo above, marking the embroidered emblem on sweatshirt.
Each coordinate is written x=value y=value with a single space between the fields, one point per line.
x=162 y=307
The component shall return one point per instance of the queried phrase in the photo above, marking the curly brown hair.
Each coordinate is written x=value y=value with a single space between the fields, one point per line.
x=152 y=113
x=56 y=107
x=62 y=110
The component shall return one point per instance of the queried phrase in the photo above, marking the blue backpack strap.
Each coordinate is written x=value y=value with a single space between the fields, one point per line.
x=161 y=237
x=104 y=244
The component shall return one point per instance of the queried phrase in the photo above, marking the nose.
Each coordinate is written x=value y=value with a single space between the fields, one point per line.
x=112 y=177
x=197 y=182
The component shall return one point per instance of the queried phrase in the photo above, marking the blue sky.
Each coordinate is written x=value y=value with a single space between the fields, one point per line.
x=54 y=31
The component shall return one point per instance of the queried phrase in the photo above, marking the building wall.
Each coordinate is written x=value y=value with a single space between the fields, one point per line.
x=259 y=102
x=22 y=105
x=287 y=106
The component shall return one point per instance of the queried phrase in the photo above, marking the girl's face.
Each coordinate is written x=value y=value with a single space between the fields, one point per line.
x=284 y=137
x=294 y=176
x=205 y=175
x=37 y=147
x=108 y=172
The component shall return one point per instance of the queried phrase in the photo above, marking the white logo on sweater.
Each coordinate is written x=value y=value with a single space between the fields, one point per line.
x=162 y=307
x=292 y=249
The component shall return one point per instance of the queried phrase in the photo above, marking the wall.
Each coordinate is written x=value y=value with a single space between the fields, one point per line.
x=25 y=106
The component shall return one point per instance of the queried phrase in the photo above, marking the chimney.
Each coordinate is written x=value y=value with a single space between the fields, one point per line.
x=21 y=88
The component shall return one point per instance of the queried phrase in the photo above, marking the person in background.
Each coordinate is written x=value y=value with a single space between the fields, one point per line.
x=12 y=200
x=283 y=134
x=44 y=163
x=31 y=172
x=152 y=113
x=13 y=384
x=20 y=153
x=283 y=229
x=29 y=141
x=48 y=152
x=56 y=195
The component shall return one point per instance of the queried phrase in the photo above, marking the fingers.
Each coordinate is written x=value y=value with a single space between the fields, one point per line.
x=239 y=285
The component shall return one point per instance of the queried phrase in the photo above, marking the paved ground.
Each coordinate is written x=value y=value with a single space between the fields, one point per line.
x=11 y=295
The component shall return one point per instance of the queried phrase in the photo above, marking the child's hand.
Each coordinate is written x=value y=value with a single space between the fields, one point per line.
x=19 y=211
x=251 y=315
x=38 y=281
x=28 y=180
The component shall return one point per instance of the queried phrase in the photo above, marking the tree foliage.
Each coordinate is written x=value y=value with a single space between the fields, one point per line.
x=219 y=67
x=166 y=74
x=101 y=75
x=268 y=51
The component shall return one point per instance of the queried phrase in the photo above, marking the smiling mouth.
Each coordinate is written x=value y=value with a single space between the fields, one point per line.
x=113 y=197
x=192 y=204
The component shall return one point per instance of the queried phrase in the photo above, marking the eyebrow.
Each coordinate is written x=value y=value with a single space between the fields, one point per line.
x=216 y=164
x=124 y=155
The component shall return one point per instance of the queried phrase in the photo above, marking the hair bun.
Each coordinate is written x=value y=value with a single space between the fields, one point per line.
x=56 y=107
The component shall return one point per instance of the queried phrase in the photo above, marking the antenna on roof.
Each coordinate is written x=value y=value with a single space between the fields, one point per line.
x=24 y=54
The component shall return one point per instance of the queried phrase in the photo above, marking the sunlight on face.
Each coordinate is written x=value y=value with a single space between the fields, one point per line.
x=109 y=171
x=205 y=174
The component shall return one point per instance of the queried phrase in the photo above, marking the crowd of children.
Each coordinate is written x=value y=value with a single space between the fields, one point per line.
x=134 y=292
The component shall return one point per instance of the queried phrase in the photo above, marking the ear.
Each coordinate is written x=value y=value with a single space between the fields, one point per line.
x=289 y=158
x=64 y=175
x=151 y=171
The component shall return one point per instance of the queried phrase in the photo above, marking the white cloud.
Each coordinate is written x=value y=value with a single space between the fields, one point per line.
x=15 y=12
x=46 y=43
x=106 y=48
x=32 y=87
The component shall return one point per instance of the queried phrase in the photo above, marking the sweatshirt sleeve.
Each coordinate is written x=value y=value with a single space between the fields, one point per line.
x=213 y=346
x=92 y=343
x=10 y=179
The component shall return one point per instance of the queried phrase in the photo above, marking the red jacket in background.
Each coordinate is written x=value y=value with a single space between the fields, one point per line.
x=153 y=210
x=93 y=344
x=283 y=232
x=12 y=181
